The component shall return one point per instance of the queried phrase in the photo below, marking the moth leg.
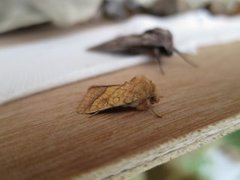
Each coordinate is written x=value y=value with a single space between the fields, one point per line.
x=184 y=58
x=143 y=105
x=146 y=105
x=157 y=57
x=154 y=113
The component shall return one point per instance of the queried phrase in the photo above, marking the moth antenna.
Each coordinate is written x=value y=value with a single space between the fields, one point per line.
x=154 y=113
x=157 y=58
x=184 y=58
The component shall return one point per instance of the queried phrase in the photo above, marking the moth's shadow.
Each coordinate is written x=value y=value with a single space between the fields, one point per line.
x=116 y=110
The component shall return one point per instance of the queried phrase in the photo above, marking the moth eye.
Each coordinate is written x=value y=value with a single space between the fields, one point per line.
x=166 y=51
x=153 y=99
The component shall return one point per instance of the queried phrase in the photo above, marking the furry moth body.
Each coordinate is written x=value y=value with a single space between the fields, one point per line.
x=155 y=42
x=139 y=93
x=145 y=43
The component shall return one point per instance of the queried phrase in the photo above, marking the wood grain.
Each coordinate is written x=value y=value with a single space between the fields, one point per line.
x=42 y=136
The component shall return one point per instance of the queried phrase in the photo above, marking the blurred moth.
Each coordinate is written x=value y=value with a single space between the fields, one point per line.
x=139 y=93
x=155 y=42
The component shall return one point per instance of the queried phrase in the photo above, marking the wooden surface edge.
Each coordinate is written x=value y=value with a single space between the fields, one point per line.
x=165 y=152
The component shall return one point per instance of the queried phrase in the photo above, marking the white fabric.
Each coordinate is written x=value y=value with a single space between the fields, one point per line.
x=36 y=66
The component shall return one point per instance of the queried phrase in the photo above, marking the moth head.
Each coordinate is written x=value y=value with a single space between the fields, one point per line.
x=163 y=39
x=154 y=99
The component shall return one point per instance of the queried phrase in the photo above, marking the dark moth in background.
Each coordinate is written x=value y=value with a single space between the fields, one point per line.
x=122 y=9
x=155 y=42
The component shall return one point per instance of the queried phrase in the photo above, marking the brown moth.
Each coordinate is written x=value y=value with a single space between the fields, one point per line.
x=139 y=93
x=155 y=42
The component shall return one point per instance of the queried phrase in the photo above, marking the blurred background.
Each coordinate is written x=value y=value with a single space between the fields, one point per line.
x=16 y=14
x=218 y=161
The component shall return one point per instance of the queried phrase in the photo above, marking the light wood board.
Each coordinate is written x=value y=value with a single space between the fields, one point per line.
x=42 y=136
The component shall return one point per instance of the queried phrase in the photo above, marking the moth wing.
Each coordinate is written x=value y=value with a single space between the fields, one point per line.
x=130 y=93
x=97 y=99
x=136 y=42
x=92 y=94
x=119 y=44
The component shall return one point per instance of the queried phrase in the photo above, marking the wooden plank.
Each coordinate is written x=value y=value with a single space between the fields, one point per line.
x=42 y=136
